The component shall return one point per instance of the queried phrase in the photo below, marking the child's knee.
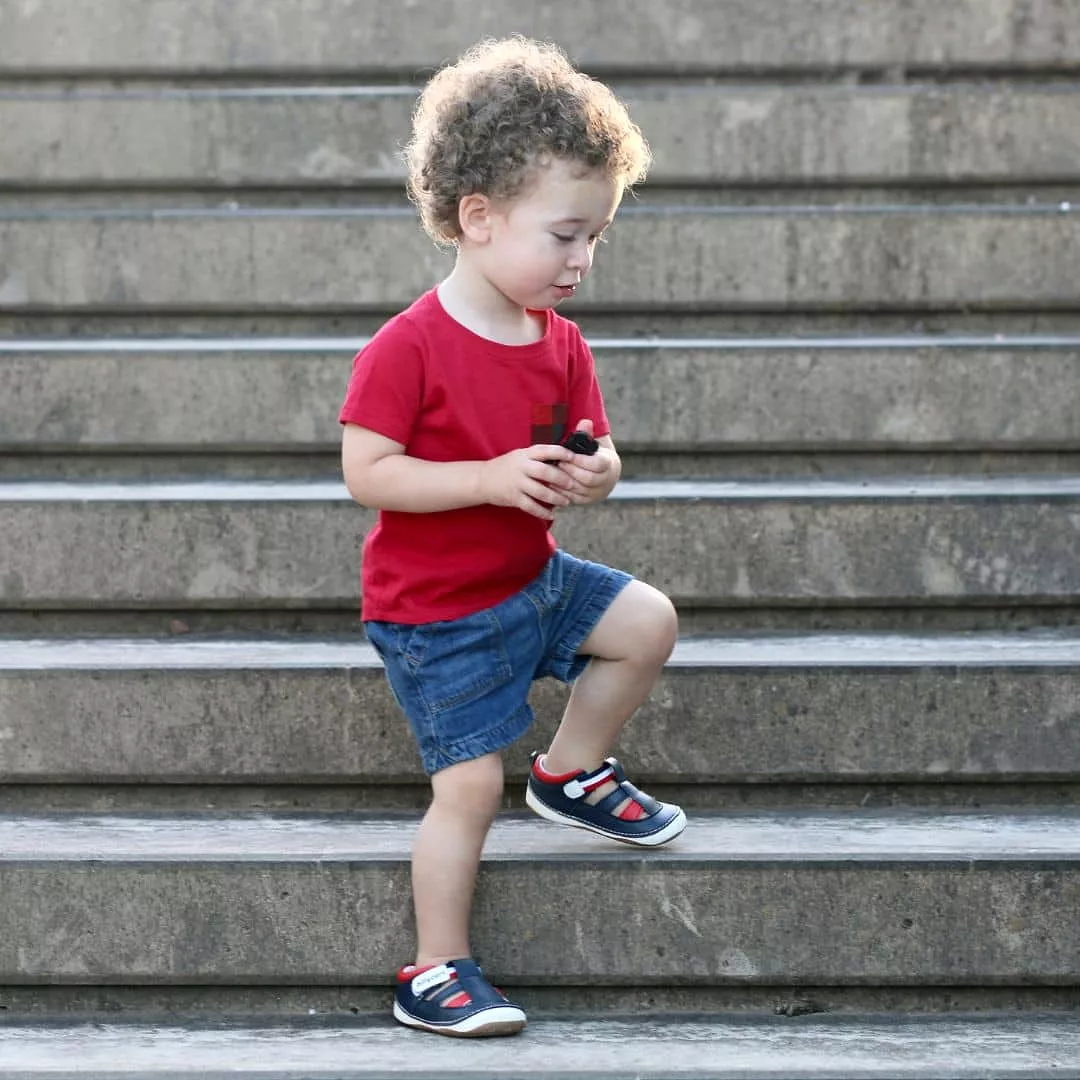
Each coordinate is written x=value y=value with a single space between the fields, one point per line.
x=657 y=625
x=471 y=788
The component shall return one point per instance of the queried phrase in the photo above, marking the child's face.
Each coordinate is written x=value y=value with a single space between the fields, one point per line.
x=542 y=242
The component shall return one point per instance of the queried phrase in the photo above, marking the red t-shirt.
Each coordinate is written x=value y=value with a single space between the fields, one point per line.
x=448 y=394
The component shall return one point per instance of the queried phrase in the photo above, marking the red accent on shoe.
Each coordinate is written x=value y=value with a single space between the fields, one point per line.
x=632 y=811
x=550 y=777
x=458 y=1001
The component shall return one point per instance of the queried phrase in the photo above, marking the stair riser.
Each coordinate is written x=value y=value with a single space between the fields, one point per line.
x=964 y=725
x=659 y=400
x=359 y=35
x=797 y=135
x=268 y=1003
x=911 y=259
x=704 y=553
x=326 y=922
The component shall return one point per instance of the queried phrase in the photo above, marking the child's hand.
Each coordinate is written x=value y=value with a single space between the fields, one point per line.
x=592 y=476
x=523 y=478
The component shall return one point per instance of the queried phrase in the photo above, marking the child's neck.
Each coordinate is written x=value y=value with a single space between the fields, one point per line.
x=470 y=299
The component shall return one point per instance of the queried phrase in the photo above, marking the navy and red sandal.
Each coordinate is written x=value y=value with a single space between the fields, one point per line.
x=625 y=814
x=454 y=999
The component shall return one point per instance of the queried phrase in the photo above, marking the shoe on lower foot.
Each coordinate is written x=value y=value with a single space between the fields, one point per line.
x=454 y=999
x=625 y=814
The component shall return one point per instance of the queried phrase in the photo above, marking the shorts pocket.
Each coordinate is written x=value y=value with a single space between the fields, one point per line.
x=460 y=661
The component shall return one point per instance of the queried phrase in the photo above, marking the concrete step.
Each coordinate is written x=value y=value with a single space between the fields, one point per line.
x=818 y=899
x=817 y=709
x=722 y=544
x=717 y=396
x=336 y=136
x=201 y=37
x=665 y=258
x=698 y=1048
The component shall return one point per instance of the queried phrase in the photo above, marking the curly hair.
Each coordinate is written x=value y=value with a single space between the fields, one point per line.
x=485 y=123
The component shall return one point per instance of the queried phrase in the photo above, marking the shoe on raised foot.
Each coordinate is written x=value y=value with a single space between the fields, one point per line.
x=642 y=820
x=454 y=999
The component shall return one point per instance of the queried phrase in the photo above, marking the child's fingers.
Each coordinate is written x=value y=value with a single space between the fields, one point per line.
x=538 y=491
x=594 y=464
x=544 y=504
x=549 y=452
x=549 y=472
x=589 y=475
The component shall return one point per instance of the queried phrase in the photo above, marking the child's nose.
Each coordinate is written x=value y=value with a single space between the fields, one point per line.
x=581 y=258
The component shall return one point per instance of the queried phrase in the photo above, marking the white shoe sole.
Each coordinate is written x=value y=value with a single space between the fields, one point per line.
x=500 y=1020
x=668 y=832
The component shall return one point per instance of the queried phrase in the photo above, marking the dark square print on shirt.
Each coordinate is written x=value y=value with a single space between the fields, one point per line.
x=549 y=423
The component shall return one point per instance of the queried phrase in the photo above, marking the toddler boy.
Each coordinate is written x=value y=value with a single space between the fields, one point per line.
x=454 y=420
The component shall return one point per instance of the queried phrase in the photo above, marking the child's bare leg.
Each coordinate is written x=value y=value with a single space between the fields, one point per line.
x=446 y=855
x=629 y=646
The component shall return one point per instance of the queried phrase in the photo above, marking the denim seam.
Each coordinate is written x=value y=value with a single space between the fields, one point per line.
x=503 y=672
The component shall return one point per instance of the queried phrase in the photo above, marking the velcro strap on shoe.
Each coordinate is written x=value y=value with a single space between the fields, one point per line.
x=431 y=978
x=579 y=787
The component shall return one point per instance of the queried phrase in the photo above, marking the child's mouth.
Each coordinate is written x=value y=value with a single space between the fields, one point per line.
x=566 y=290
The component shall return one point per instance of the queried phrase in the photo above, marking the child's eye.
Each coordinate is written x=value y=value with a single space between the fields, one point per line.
x=596 y=238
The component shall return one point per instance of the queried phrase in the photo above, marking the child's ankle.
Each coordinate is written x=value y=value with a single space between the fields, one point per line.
x=553 y=773
x=425 y=960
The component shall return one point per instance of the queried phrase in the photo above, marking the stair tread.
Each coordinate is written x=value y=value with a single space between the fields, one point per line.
x=663 y=212
x=842 y=1048
x=1045 y=648
x=886 y=837
x=878 y=489
x=679 y=88
x=307 y=344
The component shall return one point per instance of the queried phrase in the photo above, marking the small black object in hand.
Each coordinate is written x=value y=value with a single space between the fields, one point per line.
x=580 y=443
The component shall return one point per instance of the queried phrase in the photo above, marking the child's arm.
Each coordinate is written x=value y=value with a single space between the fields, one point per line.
x=379 y=474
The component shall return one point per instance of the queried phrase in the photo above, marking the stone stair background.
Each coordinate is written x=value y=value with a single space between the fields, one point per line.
x=838 y=337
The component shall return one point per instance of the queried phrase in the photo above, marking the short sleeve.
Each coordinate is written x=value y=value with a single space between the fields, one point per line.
x=386 y=389
x=586 y=400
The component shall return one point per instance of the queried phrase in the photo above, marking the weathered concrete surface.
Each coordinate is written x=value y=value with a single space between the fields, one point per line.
x=206 y=36
x=43 y=1006
x=722 y=1048
x=768 y=258
x=696 y=396
x=338 y=136
x=888 y=899
x=878 y=838
x=296 y=546
x=819 y=709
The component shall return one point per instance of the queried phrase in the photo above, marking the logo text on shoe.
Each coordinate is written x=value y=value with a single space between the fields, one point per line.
x=430 y=979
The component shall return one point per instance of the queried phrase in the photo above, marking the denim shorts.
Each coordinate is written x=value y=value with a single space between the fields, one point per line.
x=464 y=683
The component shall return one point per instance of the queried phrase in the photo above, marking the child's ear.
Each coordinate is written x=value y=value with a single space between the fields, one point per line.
x=474 y=217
